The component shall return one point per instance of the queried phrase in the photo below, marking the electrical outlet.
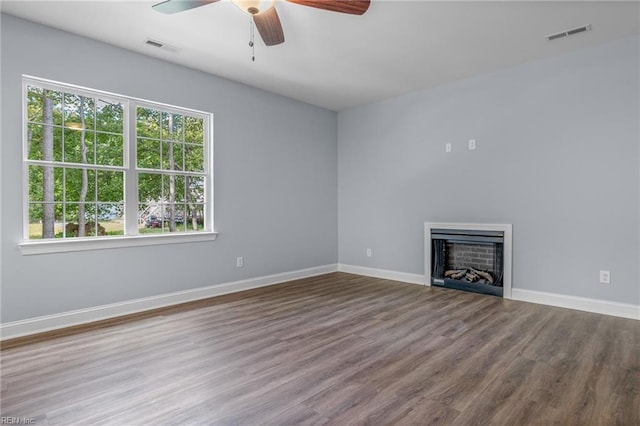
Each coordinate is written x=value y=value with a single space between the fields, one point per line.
x=472 y=144
x=447 y=147
x=605 y=277
x=369 y=252
x=239 y=262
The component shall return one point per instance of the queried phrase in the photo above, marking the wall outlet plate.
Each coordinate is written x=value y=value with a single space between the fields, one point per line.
x=447 y=147
x=472 y=144
x=239 y=262
x=369 y=252
x=605 y=277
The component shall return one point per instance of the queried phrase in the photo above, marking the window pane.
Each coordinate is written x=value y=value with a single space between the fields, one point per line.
x=110 y=186
x=45 y=219
x=149 y=188
x=90 y=220
x=148 y=154
x=194 y=158
x=150 y=218
x=79 y=185
x=35 y=142
x=109 y=116
x=34 y=104
x=148 y=123
x=167 y=155
x=178 y=156
x=53 y=99
x=89 y=113
x=194 y=130
x=180 y=217
x=195 y=189
x=58 y=179
x=172 y=127
x=71 y=228
x=111 y=221
x=172 y=156
x=174 y=217
x=110 y=149
x=35 y=183
x=45 y=183
x=74 y=179
x=179 y=188
x=173 y=188
x=78 y=112
x=143 y=214
x=35 y=221
x=73 y=146
x=72 y=112
x=195 y=221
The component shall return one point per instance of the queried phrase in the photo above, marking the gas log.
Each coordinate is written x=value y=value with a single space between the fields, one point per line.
x=456 y=274
x=471 y=275
x=487 y=276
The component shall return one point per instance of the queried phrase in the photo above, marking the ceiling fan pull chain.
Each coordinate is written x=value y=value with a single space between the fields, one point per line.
x=251 y=39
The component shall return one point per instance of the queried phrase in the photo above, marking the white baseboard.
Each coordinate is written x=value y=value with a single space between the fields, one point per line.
x=560 y=300
x=597 y=306
x=404 y=277
x=83 y=316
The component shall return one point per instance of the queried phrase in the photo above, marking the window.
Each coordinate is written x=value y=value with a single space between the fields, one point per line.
x=104 y=165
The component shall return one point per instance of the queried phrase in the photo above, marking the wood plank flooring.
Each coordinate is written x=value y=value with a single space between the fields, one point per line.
x=336 y=349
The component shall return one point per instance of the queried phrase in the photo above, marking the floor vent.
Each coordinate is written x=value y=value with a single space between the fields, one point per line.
x=568 y=33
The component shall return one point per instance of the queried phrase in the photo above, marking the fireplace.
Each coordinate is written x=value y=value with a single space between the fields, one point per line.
x=469 y=257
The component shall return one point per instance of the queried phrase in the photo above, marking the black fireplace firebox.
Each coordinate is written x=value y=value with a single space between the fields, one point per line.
x=469 y=260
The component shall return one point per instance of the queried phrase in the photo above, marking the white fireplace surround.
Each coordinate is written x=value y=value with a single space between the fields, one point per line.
x=507 y=247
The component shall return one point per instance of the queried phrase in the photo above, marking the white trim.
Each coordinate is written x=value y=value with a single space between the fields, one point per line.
x=83 y=316
x=92 y=243
x=551 y=299
x=89 y=92
x=507 y=248
x=597 y=306
x=129 y=168
x=404 y=277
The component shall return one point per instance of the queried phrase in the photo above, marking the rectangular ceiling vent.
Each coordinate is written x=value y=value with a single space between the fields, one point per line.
x=154 y=43
x=161 y=45
x=568 y=33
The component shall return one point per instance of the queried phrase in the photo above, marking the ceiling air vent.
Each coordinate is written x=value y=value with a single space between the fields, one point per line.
x=568 y=33
x=154 y=43
x=160 y=45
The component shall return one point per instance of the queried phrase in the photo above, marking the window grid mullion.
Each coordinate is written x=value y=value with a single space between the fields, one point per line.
x=74 y=165
x=131 y=174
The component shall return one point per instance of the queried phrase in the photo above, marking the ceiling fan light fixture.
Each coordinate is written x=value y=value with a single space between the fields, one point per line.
x=254 y=7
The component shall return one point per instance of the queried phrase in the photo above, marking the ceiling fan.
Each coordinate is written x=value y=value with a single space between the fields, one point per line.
x=264 y=12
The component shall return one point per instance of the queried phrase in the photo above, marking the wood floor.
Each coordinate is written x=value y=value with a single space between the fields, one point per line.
x=336 y=349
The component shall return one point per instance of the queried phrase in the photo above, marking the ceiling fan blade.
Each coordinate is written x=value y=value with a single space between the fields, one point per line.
x=175 y=6
x=353 y=7
x=269 y=27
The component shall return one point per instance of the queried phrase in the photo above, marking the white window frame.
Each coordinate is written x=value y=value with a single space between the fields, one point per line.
x=130 y=169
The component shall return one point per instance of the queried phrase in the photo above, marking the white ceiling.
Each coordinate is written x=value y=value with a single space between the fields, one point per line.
x=339 y=61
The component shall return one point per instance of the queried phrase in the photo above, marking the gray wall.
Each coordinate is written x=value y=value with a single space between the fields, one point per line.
x=275 y=180
x=557 y=156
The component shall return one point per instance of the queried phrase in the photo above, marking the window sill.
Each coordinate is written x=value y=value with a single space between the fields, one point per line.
x=82 y=244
